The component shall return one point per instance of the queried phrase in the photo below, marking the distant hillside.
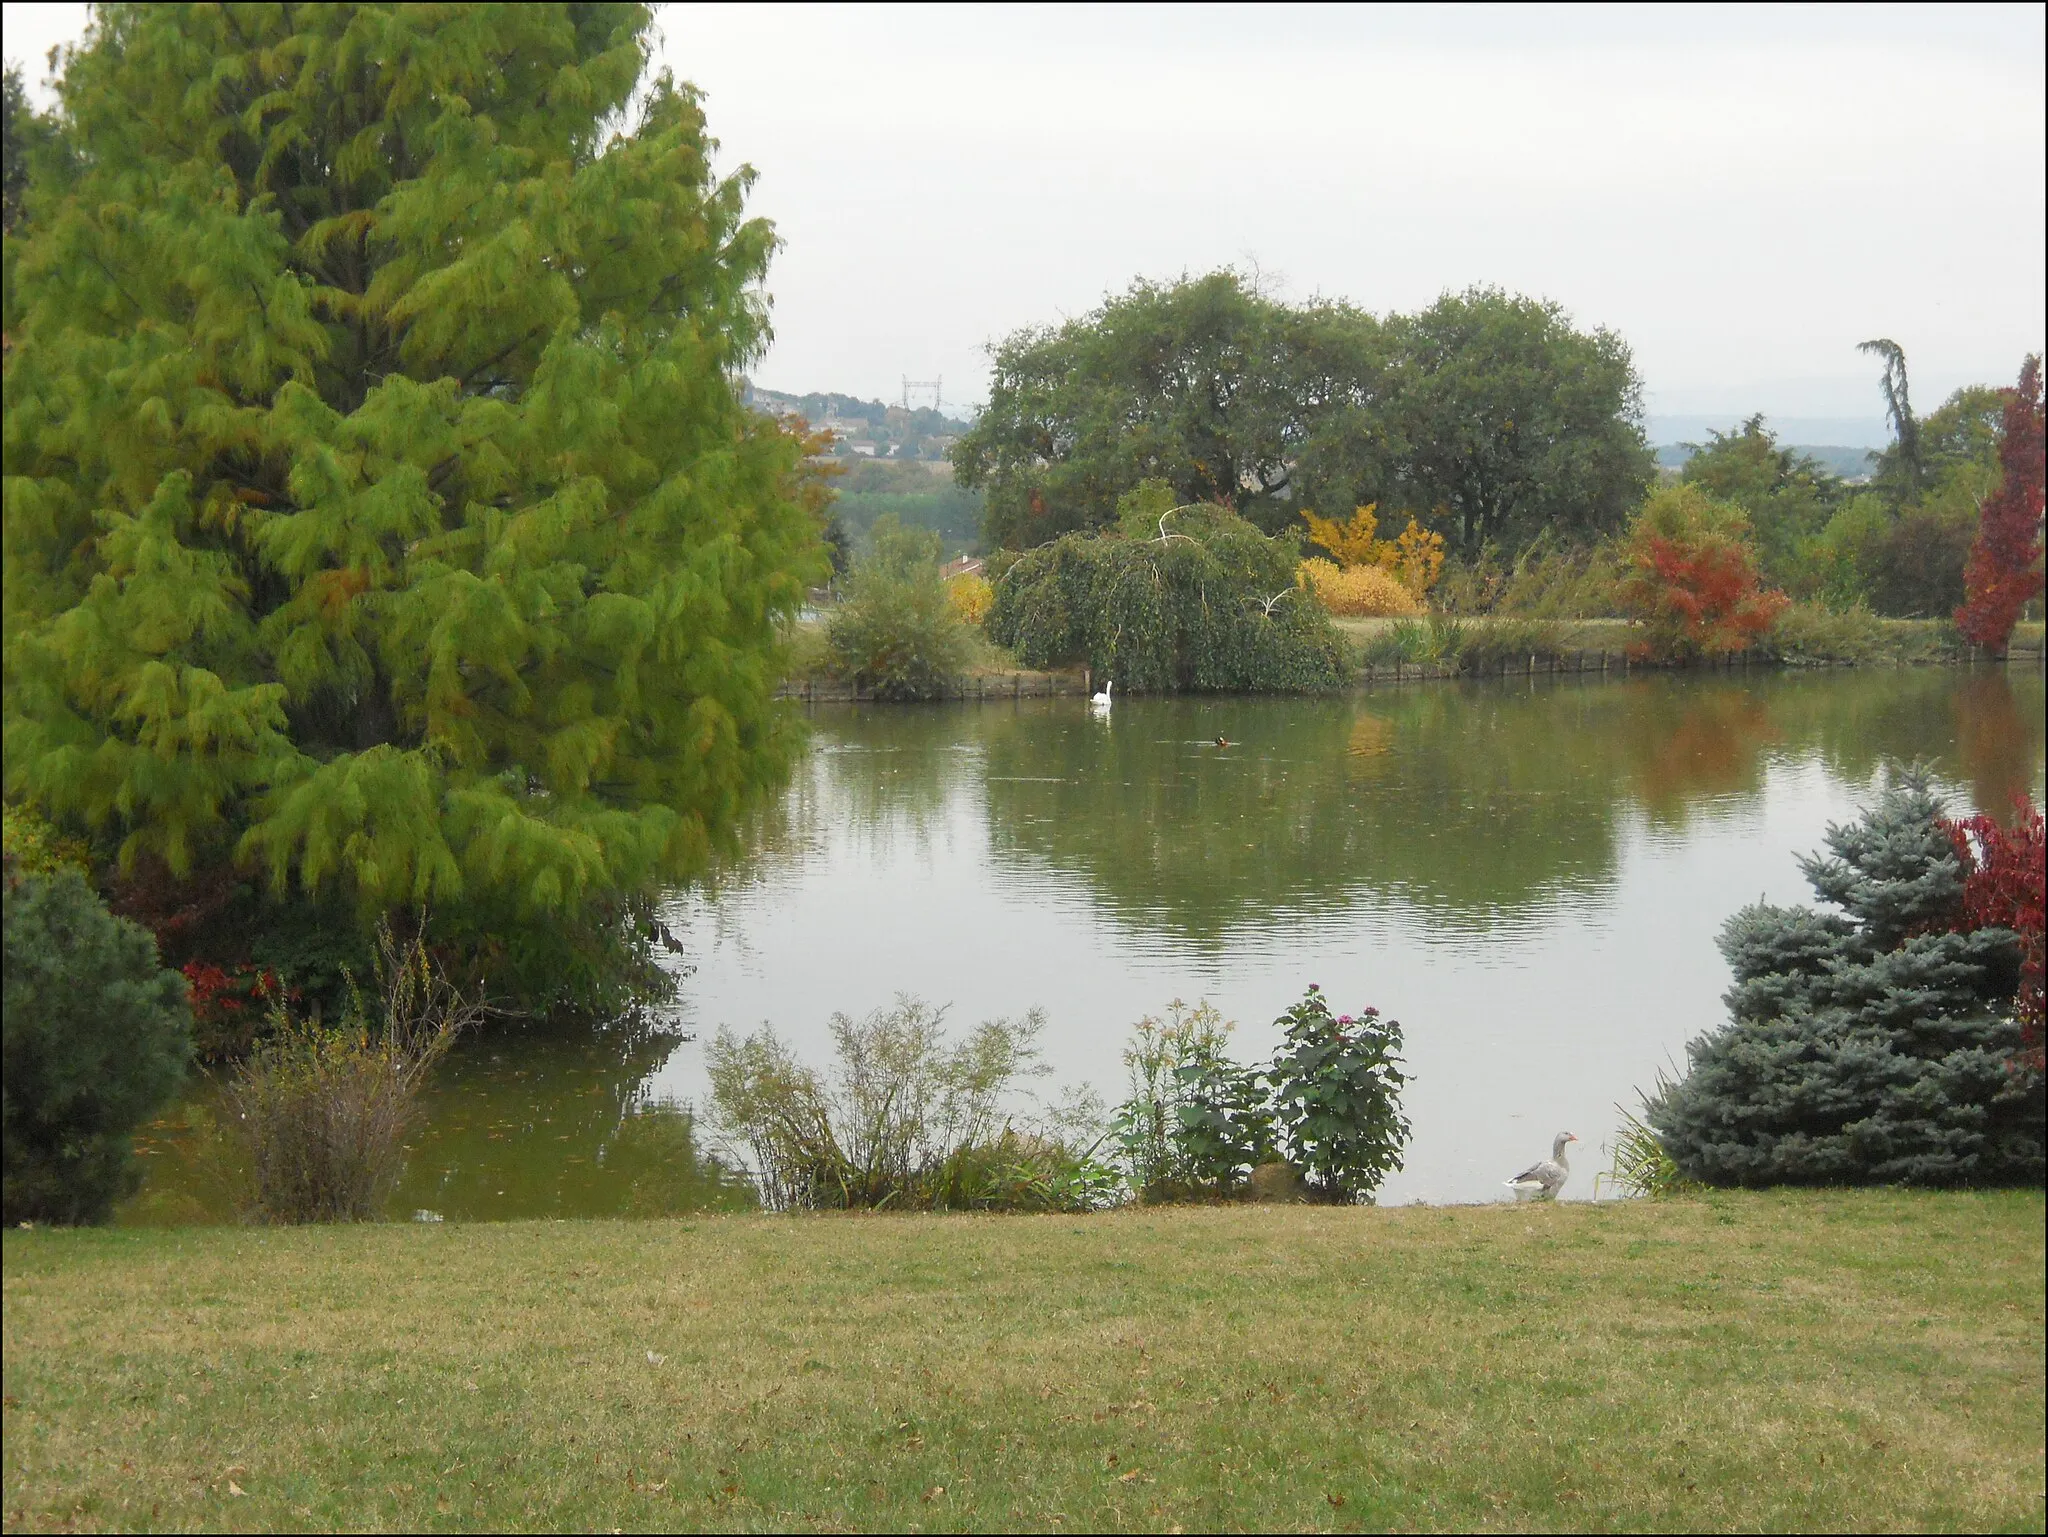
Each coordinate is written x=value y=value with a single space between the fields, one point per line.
x=865 y=429
x=1837 y=460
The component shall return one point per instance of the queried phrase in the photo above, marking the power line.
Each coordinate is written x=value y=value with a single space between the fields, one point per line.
x=934 y=385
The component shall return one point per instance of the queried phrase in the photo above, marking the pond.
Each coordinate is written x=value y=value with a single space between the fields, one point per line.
x=1528 y=874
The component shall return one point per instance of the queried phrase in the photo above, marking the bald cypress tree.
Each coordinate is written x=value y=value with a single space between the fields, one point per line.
x=381 y=517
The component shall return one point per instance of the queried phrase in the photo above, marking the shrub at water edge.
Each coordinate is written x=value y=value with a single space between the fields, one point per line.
x=322 y=1112
x=1875 y=1045
x=900 y=631
x=909 y=1120
x=97 y=1035
x=1692 y=584
x=1196 y=1123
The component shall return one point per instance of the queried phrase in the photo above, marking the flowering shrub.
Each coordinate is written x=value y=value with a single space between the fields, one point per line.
x=2004 y=886
x=1692 y=583
x=1364 y=592
x=1337 y=1098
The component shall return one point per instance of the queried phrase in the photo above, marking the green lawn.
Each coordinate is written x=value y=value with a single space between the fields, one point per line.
x=1857 y=1361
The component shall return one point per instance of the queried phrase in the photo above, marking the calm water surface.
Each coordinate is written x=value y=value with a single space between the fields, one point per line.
x=1529 y=875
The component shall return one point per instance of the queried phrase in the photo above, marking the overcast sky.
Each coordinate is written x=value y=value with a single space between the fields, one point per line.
x=1744 y=194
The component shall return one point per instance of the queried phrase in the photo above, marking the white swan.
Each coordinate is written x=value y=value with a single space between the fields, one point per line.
x=1544 y=1180
x=1102 y=700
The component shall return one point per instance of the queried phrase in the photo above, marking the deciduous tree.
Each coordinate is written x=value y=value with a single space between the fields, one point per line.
x=2004 y=570
x=380 y=511
x=1693 y=583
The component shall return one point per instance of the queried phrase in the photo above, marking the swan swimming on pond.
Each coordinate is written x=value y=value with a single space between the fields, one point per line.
x=1544 y=1180
x=1101 y=701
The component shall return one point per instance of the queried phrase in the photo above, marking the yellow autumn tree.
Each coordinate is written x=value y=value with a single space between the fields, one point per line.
x=1415 y=559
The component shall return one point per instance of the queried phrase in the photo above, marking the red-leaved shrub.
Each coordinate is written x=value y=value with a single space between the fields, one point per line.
x=2005 y=886
x=2004 y=570
x=1693 y=584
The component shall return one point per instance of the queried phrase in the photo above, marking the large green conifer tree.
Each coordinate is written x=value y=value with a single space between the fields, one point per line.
x=380 y=515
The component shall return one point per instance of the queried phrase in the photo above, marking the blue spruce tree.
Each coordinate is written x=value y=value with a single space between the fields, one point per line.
x=1874 y=1045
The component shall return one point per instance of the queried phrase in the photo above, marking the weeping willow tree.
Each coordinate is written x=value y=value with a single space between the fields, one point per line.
x=1206 y=603
x=381 y=518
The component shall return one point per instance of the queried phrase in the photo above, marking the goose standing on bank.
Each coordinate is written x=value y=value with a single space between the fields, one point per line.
x=1544 y=1180
x=1101 y=701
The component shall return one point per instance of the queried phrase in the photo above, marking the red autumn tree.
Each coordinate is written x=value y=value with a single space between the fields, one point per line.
x=1693 y=584
x=2004 y=570
x=2006 y=884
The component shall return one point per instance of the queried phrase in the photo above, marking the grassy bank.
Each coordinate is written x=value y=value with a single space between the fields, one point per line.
x=1816 y=1360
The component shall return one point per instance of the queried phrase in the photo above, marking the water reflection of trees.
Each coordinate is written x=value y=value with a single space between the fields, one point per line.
x=514 y=1124
x=1466 y=800
x=555 y=1123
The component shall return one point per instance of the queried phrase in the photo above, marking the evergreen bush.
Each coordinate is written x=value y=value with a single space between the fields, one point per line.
x=1874 y=1045
x=1208 y=605
x=97 y=1036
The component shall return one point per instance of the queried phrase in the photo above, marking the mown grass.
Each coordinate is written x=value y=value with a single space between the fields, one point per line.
x=1856 y=1361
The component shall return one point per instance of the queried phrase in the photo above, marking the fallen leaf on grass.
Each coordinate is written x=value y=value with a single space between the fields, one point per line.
x=235 y=1488
x=934 y=1492
x=1336 y=1501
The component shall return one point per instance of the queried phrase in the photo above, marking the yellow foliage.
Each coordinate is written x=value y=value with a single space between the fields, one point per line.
x=970 y=596
x=1351 y=543
x=1419 y=558
x=1366 y=592
x=1415 y=559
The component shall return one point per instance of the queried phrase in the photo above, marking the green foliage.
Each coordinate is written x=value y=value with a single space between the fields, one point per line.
x=32 y=149
x=1873 y=1045
x=1505 y=644
x=322 y=1111
x=1487 y=416
x=898 y=632
x=1211 y=605
x=33 y=847
x=1641 y=1167
x=1546 y=580
x=947 y=511
x=909 y=1120
x=96 y=1036
x=1205 y=384
x=1510 y=423
x=1195 y=1121
x=381 y=513
x=1788 y=496
x=1814 y=632
x=1337 y=1098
